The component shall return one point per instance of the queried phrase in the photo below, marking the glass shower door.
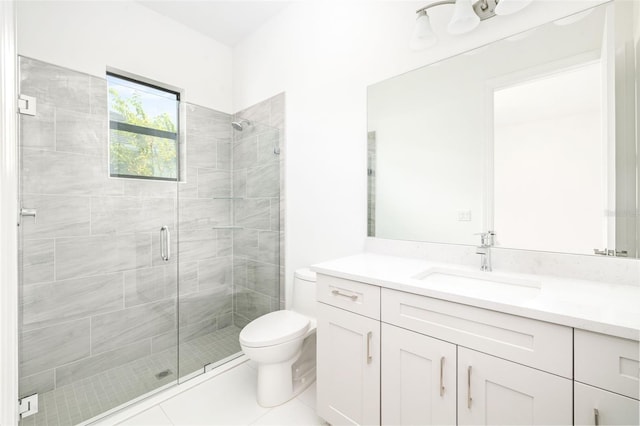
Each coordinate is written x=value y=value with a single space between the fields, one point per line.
x=98 y=257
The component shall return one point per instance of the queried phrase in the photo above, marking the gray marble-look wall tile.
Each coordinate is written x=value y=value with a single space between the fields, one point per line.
x=264 y=181
x=81 y=133
x=245 y=153
x=37 y=261
x=214 y=183
x=115 y=329
x=259 y=112
x=55 y=85
x=253 y=213
x=268 y=142
x=149 y=188
x=204 y=213
x=89 y=256
x=197 y=244
x=224 y=155
x=240 y=183
x=245 y=243
x=36 y=383
x=225 y=320
x=263 y=278
x=188 y=273
x=39 y=131
x=213 y=273
x=277 y=111
x=269 y=247
x=202 y=151
x=240 y=271
x=188 y=185
x=98 y=363
x=239 y=320
x=98 y=97
x=170 y=339
x=225 y=242
x=125 y=215
x=149 y=285
x=62 y=301
x=58 y=216
x=250 y=304
x=157 y=247
x=275 y=214
x=48 y=347
x=63 y=173
x=200 y=306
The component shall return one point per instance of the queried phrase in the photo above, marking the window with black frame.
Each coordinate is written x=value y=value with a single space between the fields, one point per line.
x=143 y=130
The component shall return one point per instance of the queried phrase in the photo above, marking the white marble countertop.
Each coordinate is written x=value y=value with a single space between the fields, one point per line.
x=612 y=309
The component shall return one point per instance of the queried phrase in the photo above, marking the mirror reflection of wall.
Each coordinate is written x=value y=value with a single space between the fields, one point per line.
x=532 y=136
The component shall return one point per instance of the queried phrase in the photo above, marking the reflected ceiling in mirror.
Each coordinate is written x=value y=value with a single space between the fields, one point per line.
x=533 y=137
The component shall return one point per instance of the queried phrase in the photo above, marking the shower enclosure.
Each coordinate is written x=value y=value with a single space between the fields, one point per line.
x=128 y=286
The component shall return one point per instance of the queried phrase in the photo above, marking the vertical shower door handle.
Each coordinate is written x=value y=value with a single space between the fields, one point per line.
x=165 y=243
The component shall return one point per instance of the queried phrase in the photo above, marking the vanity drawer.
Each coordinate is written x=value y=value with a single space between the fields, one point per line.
x=608 y=362
x=526 y=341
x=363 y=299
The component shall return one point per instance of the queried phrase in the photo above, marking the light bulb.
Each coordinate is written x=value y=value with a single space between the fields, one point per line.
x=464 y=18
x=507 y=7
x=423 y=36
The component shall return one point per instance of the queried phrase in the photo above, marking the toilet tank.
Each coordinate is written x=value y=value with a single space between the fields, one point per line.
x=304 y=292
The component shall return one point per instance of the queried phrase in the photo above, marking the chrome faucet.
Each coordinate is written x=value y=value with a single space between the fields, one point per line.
x=484 y=250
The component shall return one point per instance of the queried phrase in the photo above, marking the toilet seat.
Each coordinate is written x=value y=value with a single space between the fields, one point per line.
x=274 y=328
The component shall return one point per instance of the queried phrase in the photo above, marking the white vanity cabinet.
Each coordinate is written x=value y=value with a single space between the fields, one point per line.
x=607 y=380
x=348 y=352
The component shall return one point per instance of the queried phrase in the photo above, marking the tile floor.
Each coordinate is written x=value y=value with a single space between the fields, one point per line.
x=92 y=396
x=229 y=399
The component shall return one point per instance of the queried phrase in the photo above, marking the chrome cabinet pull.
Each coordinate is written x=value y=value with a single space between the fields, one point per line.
x=596 y=416
x=165 y=243
x=469 y=399
x=441 y=376
x=353 y=297
x=369 y=357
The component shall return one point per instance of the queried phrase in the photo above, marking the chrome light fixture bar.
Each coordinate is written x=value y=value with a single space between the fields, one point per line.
x=466 y=17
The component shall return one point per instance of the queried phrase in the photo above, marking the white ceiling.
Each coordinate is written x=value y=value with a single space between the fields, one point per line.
x=225 y=21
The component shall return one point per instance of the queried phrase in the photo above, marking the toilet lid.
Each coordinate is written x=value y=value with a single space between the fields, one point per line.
x=274 y=328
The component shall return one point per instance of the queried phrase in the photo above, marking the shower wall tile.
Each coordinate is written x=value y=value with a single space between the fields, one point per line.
x=214 y=273
x=88 y=256
x=198 y=307
x=264 y=181
x=113 y=330
x=240 y=183
x=125 y=215
x=57 y=216
x=253 y=213
x=240 y=271
x=267 y=142
x=268 y=247
x=148 y=188
x=263 y=278
x=203 y=213
x=214 y=183
x=62 y=301
x=224 y=155
x=225 y=242
x=275 y=214
x=188 y=272
x=148 y=285
x=38 y=131
x=251 y=304
x=55 y=85
x=55 y=345
x=37 y=261
x=196 y=244
x=156 y=247
x=95 y=364
x=188 y=186
x=63 y=170
x=37 y=383
x=170 y=339
x=98 y=97
x=245 y=153
x=259 y=113
x=245 y=243
x=277 y=111
x=81 y=133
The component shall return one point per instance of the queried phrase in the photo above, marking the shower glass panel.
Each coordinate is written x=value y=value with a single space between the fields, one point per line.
x=98 y=276
x=229 y=221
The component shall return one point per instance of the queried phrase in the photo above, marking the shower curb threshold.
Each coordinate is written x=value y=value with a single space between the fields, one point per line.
x=144 y=403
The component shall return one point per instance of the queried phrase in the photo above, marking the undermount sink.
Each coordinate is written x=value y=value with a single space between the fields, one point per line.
x=472 y=281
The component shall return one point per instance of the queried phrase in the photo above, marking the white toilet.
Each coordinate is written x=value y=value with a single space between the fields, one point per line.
x=283 y=344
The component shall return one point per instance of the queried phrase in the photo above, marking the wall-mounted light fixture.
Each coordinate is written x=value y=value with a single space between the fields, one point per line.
x=466 y=17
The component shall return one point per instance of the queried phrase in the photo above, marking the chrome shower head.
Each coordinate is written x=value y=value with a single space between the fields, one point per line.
x=239 y=125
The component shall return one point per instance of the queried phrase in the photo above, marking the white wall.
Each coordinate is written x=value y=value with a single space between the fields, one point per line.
x=88 y=36
x=324 y=55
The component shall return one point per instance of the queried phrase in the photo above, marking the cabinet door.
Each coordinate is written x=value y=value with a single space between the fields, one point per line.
x=418 y=379
x=493 y=391
x=348 y=367
x=595 y=406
